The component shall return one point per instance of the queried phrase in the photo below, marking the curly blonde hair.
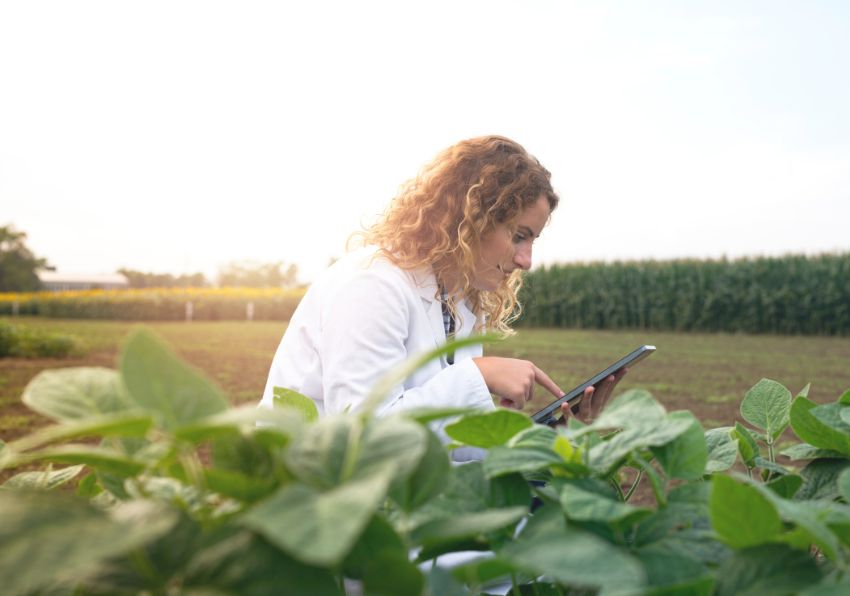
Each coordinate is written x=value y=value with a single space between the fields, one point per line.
x=439 y=217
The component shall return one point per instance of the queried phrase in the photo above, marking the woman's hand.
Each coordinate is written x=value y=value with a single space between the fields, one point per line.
x=513 y=380
x=594 y=399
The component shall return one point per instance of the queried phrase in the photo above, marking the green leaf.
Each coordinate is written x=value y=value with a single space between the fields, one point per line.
x=507 y=460
x=245 y=564
x=843 y=484
x=472 y=525
x=379 y=536
x=121 y=424
x=747 y=446
x=585 y=505
x=47 y=479
x=158 y=381
x=741 y=515
x=685 y=456
x=767 y=406
x=820 y=479
x=244 y=419
x=722 y=449
x=812 y=430
x=98 y=458
x=577 y=559
x=76 y=393
x=635 y=408
x=427 y=480
x=50 y=537
x=606 y=455
x=667 y=567
x=319 y=528
x=539 y=436
x=488 y=429
x=806 y=451
x=766 y=569
x=845 y=398
x=390 y=573
x=287 y=398
x=786 y=486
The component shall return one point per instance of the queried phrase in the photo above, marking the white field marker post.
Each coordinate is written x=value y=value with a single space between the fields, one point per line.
x=249 y=311
x=189 y=312
x=15 y=308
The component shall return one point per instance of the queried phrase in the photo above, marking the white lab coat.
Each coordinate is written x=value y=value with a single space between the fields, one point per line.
x=361 y=319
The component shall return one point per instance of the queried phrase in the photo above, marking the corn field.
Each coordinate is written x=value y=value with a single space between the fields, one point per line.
x=157 y=304
x=788 y=295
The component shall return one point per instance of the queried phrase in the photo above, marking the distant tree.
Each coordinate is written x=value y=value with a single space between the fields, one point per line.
x=141 y=279
x=18 y=265
x=251 y=274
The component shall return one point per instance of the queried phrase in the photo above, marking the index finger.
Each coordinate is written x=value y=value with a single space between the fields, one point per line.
x=543 y=379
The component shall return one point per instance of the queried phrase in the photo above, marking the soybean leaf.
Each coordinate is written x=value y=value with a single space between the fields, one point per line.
x=585 y=505
x=828 y=587
x=46 y=479
x=389 y=573
x=741 y=515
x=635 y=408
x=426 y=480
x=101 y=459
x=481 y=571
x=287 y=398
x=539 y=436
x=845 y=398
x=685 y=456
x=471 y=525
x=843 y=485
x=158 y=381
x=426 y=415
x=820 y=478
x=488 y=429
x=814 y=431
x=786 y=486
x=121 y=424
x=806 y=451
x=507 y=460
x=766 y=569
x=608 y=454
x=244 y=419
x=747 y=446
x=722 y=449
x=667 y=567
x=379 y=536
x=243 y=563
x=575 y=558
x=319 y=528
x=767 y=406
x=76 y=393
x=53 y=537
x=318 y=456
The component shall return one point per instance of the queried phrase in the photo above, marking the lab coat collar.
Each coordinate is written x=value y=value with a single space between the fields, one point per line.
x=426 y=284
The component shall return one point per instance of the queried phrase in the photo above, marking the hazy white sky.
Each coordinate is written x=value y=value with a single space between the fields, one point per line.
x=177 y=136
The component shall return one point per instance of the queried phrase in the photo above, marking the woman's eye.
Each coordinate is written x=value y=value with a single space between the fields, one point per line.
x=519 y=238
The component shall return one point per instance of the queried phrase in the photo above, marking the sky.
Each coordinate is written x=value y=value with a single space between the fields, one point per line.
x=179 y=136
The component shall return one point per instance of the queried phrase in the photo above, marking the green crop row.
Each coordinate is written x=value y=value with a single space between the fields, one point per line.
x=788 y=295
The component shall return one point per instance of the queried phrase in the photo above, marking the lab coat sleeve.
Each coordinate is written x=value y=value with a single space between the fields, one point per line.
x=366 y=326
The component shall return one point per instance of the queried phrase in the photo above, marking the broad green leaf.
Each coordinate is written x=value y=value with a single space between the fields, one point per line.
x=635 y=408
x=812 y=430
x=426 y=415
x=121 y=424
x=473 y=525
x=318 y=457
x=507 y=460
x=245 y=564
x=481 y=571
x=667 y=567
x=243 y=487
x=76 y=393
x=97 y=458
x=722 y=449
x=287 y=398
x=806 y=451
x=389 y=573
x=833 y=416
x=576 y=558
x=426 y=480
x=820 y=479
x=158 y=381
x=488 y=429
x=47 y=479
x=539 y=436
x=766 y=569
x=50 y=537
x=604 y=456
x=845 y=398
x=806 y=518
x=584 y=505
x=786 y=486
x=741 y=515
x=241 y=420
x=767 y=406
x=843 y=484
x=747 y=446
x=319 y=528
x=568 y=452
x=379 y=536
x=685 y=456
x=804 y=392
x=828 y=587
x=392 y=439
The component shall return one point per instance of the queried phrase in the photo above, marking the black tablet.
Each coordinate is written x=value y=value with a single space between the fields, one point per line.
x=550 y=414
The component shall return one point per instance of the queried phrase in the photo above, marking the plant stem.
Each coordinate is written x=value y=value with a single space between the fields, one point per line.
x=634 y=485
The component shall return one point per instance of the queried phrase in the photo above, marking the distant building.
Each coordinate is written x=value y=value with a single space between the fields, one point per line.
x=53 y=281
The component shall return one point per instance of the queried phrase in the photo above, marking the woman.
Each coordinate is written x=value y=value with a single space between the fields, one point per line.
x=445 y=260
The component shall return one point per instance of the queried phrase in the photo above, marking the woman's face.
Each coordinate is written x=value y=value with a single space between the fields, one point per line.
x=507 y=248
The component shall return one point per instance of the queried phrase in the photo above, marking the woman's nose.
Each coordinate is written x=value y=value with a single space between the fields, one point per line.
x=522 y=257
